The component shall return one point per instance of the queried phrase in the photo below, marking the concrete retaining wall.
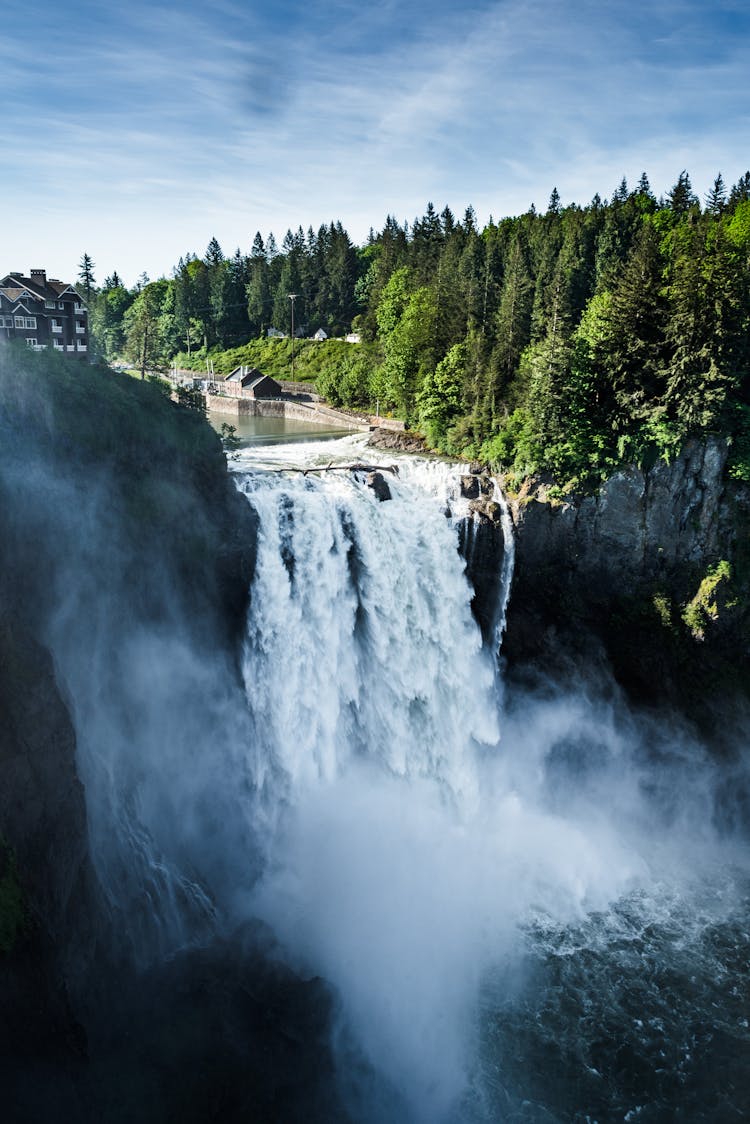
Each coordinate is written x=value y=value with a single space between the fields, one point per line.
x=283 y=408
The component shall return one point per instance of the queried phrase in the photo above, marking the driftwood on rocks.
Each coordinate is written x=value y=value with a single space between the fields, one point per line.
x=369 y=468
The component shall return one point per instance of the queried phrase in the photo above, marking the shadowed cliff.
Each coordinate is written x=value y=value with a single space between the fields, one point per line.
x=647 y=579
x=125 y=558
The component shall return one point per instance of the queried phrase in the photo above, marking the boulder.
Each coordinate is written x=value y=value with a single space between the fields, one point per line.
x=379 y=485
x=488 y=511
x=476 y=485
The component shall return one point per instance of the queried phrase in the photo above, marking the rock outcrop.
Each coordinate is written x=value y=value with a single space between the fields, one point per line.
x=607 y=577
x=397 y=441
x=379 y=485
x=640 y=525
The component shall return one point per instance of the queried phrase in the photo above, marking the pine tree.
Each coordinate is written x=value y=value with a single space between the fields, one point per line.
x=716 y=200
x=740 y=191
x=698 y=376
x=513 y=320
x=86 y=275
x=631 y=350
x=681 y=198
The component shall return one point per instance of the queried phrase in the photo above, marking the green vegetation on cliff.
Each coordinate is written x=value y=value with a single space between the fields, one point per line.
x=705 y=605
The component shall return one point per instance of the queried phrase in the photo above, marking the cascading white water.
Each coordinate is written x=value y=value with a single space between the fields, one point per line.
x=360 y=638
x=399 y=856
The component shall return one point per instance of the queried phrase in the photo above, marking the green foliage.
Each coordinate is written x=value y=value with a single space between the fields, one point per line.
x=569 y=342
x=50 y=397
x=191 y=399
x=230 y=442
x=738 y=466
x=663 y=608
x=705 y=605
x=13 y=916
x=346 y=381
x=441 y=396
x=274 y=357
x=145 y=344
x=409 y=349
x=516 y=447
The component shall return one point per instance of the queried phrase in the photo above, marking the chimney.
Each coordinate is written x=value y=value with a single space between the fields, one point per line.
x=40 y=276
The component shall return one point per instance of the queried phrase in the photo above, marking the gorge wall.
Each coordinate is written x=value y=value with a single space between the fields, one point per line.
x=648 y=577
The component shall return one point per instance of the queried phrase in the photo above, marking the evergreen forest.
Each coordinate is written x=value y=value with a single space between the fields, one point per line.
x=567 y=342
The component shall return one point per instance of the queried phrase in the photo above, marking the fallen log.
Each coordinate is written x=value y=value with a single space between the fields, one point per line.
x=346 y=468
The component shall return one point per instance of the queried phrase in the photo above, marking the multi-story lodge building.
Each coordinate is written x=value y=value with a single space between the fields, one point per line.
x=44 y=313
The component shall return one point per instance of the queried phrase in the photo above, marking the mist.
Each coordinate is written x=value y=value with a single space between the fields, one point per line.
x=353 y=782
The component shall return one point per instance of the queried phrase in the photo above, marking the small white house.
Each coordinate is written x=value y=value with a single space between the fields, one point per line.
x=353 y=337
x=275 y=334
x=320 y=335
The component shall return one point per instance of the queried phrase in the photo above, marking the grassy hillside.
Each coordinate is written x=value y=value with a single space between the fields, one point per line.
x=274 y=358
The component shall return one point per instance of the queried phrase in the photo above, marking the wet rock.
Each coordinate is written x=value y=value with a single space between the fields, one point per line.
x=477 y=485
x=641 y=524
x=470 y=487
x=489 y=511
x=379 y=485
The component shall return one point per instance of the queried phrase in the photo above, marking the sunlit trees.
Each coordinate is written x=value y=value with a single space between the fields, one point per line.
x=144 y=343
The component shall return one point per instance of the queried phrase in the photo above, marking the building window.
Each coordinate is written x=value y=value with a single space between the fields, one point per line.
x=60 y=304
x=25 y=322
x=6 y=321
x=31 y=341
x=49 y=304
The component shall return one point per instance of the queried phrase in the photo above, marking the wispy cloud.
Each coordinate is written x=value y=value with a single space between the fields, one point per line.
x=157 y=125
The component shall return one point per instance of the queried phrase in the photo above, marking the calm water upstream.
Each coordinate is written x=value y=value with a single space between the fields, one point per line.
x=272 y=431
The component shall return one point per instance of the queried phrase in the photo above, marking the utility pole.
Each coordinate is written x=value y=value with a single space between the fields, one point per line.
x=292 y=298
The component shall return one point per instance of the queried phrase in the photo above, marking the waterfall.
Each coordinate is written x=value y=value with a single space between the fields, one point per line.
x=398 y=851
x=361 y=643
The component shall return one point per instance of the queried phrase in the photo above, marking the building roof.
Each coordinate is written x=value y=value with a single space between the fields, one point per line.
x=242 y=374
x=263 y=378
x=43 y=289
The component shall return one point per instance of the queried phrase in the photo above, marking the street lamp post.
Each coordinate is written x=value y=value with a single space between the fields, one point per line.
x=292 y=298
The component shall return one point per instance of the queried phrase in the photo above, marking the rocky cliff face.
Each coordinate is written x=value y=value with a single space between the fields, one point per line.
x=642 y=525
x=116 y=506
x=611 y=577
x=49 y=940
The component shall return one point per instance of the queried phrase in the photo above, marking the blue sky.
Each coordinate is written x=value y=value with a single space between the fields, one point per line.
x=137 y=132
